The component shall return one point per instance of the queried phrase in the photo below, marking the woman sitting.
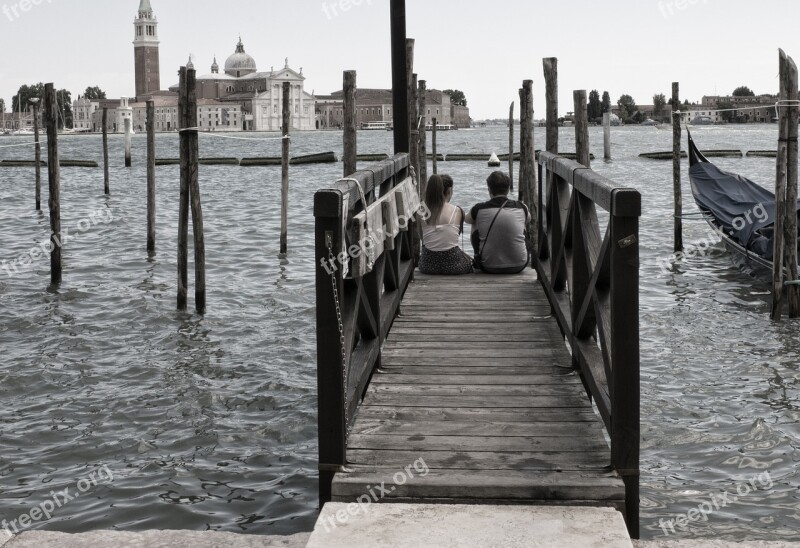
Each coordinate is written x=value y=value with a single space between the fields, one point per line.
x=441 y=253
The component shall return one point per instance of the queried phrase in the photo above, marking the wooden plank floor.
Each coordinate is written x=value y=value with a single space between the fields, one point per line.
x=476 y=382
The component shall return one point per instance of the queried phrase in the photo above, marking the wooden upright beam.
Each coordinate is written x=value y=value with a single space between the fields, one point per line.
x=399 y=75
x=583 y=155
x=287 y=120
x=54 y=179
x=789 y=81
x=551 y=96
x=151 y=177
x=350 y=131
x=676 y=170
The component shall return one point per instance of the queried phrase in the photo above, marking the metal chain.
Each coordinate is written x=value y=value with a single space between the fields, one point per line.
x=340 y=323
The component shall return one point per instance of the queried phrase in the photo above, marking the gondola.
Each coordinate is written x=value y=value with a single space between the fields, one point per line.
x=741 y=212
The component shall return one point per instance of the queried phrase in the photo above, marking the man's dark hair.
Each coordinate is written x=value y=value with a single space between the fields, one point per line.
x=499 y=184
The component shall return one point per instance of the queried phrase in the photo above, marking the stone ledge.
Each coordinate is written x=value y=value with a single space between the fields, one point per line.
x=444 y=525
x=151 y=539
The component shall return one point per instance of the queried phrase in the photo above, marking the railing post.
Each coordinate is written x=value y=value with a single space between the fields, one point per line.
x=331 y=420
x=624 y=353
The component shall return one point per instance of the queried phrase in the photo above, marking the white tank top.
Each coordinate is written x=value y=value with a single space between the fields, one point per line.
x=441 y=237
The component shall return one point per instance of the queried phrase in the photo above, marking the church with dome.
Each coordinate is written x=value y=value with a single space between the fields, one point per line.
x=259 y=94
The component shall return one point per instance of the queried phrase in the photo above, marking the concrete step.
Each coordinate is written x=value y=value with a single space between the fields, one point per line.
x=445 y=526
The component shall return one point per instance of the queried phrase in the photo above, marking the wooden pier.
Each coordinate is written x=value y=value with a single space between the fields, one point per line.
x=510 y=389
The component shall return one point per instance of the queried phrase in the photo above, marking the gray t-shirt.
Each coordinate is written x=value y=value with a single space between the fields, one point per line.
x=505 y=249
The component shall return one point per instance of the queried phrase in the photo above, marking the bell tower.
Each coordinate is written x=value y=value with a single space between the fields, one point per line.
x=145 y=47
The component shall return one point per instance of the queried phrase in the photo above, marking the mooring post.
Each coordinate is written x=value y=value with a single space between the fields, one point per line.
x=194 y=195
x=54 y=180
x=785 y=243
x=607 y=135
x=581 y=128
x=411 y=108
x=434 y=121
x=676 y=170
x=183 y=204
x=105 y=151
x=551 y=96
x=422 y=100
x=128 y=130
x=350 y=133
x=287 y=120
x=37 y=152
x=413 y=132
x=400 y=78
x=151 y=177
x=523 y=147
x=789 y=80
x=511 y=145
x=528 y=166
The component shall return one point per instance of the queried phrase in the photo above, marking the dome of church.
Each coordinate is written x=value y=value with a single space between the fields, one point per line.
x=240 y=63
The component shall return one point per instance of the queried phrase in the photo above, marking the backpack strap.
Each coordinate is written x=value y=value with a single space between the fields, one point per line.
x=486 y=239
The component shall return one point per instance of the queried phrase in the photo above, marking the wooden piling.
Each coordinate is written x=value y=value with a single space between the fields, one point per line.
x=607 y=135
x=511 y=145
x=37 y=153
x=528 y=165
x=350 y=131
x=128 y=142
x=151 y=177
x=676 y=170
x=433 y=144
x=105 y=152
x=54 y=180
x=792 y=112
x=410 y=109
x=581 y=128
x=784 y=261
x=415 y=120
x=400 y=75
x=551 y=96
x=183 y=205
x=422 y=100
x=523 y=146
x=287 y=120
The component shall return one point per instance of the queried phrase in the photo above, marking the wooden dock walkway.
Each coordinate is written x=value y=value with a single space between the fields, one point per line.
x=479 y=389
x=476 y=381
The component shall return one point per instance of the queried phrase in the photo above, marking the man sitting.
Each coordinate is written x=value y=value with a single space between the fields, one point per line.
x=499 y=229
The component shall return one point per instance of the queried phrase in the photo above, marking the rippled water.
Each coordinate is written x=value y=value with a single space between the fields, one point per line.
x=210 y=423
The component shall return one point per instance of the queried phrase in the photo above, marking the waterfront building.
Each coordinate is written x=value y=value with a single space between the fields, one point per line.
x=83 y=110
x=375 y=105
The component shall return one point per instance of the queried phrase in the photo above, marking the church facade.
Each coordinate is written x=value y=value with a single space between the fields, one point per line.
x=258 y=94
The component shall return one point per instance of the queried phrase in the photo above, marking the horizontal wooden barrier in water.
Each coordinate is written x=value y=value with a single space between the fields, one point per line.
x=762 y=153
x=719 y=153
x=62 y=163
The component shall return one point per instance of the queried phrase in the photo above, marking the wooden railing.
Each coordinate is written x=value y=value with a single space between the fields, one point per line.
x=592 y=283
x=365 y=232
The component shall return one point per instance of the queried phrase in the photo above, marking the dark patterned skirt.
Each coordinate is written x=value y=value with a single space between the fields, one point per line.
x=452 y=262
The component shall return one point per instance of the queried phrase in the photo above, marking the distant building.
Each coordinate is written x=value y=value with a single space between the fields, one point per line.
x=460 y=116
x=375 y=105
x=83 y=110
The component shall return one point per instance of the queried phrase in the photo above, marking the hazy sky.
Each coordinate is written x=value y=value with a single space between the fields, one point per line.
x=485 y=49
